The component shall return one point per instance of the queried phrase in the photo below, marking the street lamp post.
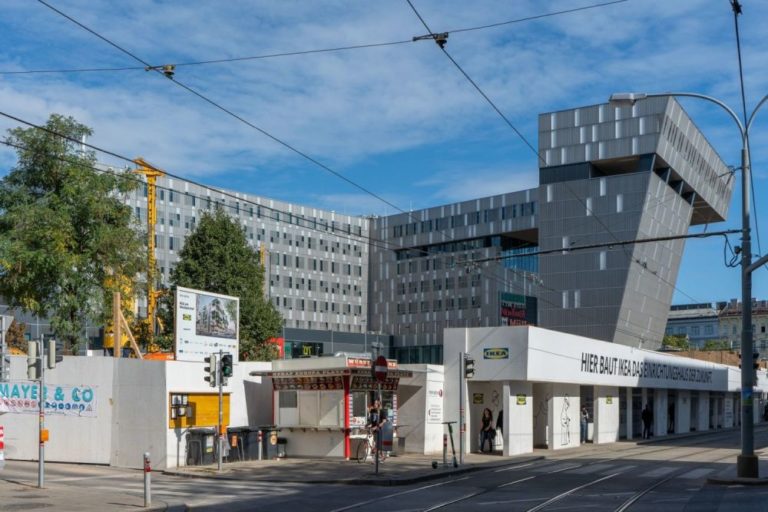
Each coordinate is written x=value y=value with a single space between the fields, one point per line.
x=746 y=465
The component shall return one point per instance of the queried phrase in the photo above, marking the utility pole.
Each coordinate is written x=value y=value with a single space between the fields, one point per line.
x=220 y=434
x=461 y=408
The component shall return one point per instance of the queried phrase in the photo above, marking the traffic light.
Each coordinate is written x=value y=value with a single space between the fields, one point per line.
x=212 y=370
x=469 y=367
x=33 y=360
x=226 y=366
x=51 y=356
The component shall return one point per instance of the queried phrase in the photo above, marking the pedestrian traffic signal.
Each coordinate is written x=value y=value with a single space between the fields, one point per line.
x=226 y=366
x=33 y=360
x=212 y=370
x=469 y=367
x=51 y=356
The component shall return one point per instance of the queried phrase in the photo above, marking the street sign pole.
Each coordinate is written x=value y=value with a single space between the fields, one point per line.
x=461 y=408
x=380 y=369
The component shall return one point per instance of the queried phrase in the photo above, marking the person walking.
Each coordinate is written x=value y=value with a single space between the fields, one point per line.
x=583 y=424
x=647 y=417
x=486 y=429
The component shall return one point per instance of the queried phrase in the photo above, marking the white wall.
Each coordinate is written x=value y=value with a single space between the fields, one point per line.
x=660 y=398
x=683 y=412
x=564 y=413
x=518 y=418
x=606 y=414
x=489 y=395
x=703 y=419
x=78 y=439
x=421 y=427
x=314 y=443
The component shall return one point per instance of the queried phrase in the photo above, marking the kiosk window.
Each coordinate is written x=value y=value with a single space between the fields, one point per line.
x=331 y=406
x=288 y=399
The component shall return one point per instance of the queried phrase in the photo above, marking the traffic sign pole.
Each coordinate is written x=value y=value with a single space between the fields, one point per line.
x=380 y=369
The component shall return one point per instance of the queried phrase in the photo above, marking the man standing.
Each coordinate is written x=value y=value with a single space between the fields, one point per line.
x=647 y=416
x=583 y=424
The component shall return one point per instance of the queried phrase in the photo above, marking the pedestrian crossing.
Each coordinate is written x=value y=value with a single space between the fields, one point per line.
x=649 y=472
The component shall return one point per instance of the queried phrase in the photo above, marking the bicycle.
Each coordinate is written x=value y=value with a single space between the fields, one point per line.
x=367 y=447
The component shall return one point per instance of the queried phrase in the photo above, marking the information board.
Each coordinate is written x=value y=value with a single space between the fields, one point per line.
x=206 y=323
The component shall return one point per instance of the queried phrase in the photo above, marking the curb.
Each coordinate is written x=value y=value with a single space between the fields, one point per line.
x=383 y=482
x=738 y=481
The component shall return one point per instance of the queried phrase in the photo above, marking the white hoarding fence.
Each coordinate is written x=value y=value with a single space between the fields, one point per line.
x=22 y=397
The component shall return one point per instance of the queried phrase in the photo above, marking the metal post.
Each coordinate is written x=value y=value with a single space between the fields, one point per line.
x=219 y=435
x=746 y=463
x=41 y=427
x=445 y=449
x=147 y=481
x=461 y=408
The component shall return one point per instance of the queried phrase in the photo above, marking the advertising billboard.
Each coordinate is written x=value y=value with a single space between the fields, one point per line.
x=206 y=323
x=517 y=309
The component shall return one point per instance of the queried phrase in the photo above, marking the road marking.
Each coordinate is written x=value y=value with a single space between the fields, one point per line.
x=655 y=473
x=560 y=469
x=513 y=467
x=568 y=493
x=592 y=468
x=696 y=473
x=517 y=481
x=98 y=477
x=451 y=502
x=409 y=491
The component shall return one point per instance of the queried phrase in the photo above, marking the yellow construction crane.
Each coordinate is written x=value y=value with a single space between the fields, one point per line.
x=151 y=173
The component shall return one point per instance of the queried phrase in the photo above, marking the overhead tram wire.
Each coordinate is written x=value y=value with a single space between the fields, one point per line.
x=309 y=52
x=410 y=215
x=508 y=285
x=435 y=35
x=288 y=146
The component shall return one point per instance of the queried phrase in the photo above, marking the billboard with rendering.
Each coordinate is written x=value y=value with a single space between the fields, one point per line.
x=205 y=323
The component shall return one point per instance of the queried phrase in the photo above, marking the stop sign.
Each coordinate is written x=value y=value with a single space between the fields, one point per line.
x=380 y=369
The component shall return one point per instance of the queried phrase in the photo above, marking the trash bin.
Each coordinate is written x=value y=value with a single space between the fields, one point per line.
x=252 y=445
x=281 y=444
x=237 y=437
x=200 y=446
x=269 y=441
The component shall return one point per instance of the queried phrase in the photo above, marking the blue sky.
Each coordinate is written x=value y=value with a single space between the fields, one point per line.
x=399 y=120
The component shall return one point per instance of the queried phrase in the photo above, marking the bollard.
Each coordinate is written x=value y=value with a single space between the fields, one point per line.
x=147 y=481
x=261 y=447
x=445 y=449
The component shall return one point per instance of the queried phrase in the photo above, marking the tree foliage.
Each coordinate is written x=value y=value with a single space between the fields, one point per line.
x=716 y=345
x=14 y=337
x=678 y=341
x=216 y=257
x=63 y=229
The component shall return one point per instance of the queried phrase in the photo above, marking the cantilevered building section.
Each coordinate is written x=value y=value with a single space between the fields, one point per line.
x=613 y=174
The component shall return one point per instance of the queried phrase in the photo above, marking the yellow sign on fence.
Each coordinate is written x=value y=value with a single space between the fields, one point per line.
x=204 y=411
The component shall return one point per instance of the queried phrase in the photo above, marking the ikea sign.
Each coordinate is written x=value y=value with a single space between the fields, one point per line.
x=495 y=353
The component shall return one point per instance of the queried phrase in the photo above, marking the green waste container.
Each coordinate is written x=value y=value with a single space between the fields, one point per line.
x=269 y=441
x=237 y=437
x=201 y=446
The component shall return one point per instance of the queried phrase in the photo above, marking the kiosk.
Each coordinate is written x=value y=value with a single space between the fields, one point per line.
x=320 y=402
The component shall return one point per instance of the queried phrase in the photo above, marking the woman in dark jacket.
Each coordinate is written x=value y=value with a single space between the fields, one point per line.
x=486 y=430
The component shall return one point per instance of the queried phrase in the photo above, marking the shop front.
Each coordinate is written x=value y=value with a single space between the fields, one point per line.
x=321 y=403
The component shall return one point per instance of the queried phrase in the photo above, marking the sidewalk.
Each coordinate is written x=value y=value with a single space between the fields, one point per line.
x=400 y=470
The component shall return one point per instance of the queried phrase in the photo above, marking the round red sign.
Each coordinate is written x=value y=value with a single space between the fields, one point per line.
x=380 y=369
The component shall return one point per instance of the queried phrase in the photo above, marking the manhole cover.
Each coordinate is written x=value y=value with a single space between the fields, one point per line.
x=24 y=506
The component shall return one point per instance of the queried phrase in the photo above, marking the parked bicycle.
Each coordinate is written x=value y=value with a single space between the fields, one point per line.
x=367 y=447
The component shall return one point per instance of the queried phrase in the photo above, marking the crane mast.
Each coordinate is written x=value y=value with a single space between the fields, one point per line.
x=151 y=174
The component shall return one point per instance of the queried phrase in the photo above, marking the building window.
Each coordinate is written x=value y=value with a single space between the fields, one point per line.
x=589 y=206
x=565 y=299
x=695 y=330
x=549 y=193
x=708 y=329
x=603 y=260
x=619 y=203
x=603 y=187
x=577 y=298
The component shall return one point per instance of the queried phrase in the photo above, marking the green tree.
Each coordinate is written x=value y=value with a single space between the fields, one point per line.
x=63 y=229
x=716 y=345
x=678 y=341
x=216 y=257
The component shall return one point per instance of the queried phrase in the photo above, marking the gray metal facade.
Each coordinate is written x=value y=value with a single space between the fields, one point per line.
x=317 y=260
x=615 y=174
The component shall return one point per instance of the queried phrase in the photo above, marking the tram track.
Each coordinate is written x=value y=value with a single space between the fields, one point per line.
x=623 y=454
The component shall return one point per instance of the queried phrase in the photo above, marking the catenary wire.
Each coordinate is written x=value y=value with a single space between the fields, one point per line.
x=307 y=52
x=285 y=144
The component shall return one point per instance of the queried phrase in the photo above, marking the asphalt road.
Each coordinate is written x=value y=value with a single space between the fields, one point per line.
x=668 y=476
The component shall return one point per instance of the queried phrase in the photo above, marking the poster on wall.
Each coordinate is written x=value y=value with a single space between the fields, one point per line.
x=517 y=309
x=434 y=402
x=21 y=397
x=206 y=323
